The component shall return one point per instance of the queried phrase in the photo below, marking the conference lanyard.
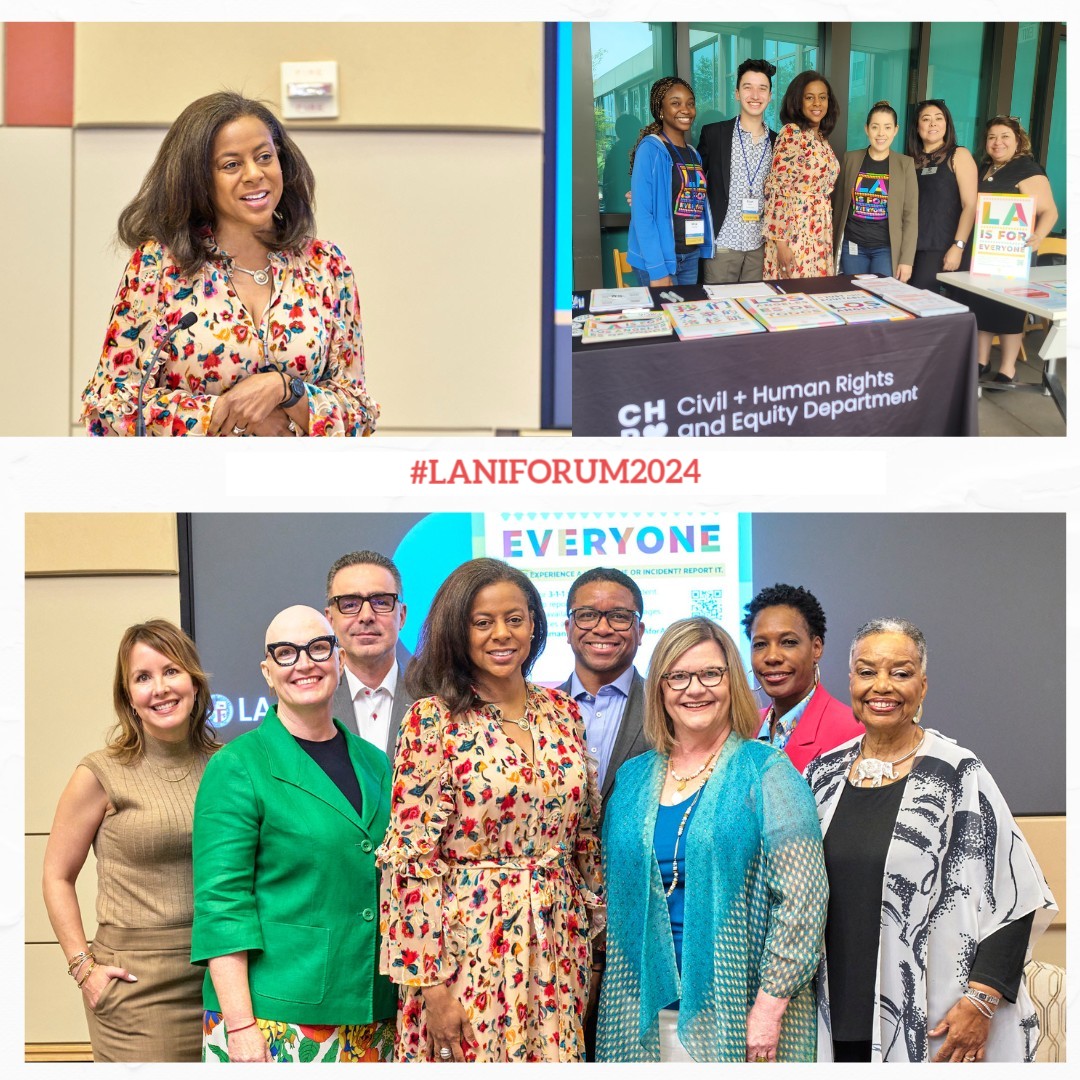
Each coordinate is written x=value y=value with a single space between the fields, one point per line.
x=746 y=164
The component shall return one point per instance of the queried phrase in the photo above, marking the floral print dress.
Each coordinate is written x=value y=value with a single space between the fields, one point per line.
x=487 y=875
x=311 y=329
x=798 y=209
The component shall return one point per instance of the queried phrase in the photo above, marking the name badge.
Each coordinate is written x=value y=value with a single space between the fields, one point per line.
x=852 y=248
x=695 y=231
x=751 y=209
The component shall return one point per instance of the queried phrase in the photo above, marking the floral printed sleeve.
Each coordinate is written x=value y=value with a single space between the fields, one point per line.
x=151 y=300
x=422 y=801
x=588 y=838
x=338 y=402
x=789 y=161
x=797 y=883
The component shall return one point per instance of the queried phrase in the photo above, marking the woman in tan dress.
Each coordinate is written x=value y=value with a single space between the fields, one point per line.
x=798 y=211
x=133 y=802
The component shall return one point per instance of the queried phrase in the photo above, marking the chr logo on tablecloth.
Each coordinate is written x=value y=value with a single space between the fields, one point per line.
x=648 y=419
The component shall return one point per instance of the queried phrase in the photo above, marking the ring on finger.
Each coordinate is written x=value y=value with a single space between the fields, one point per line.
x=969 y=1057
x=445 y=1053
x=238 y=430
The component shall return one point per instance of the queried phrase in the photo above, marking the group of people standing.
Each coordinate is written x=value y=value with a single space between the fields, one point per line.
x=452 y=863
x=752 y=204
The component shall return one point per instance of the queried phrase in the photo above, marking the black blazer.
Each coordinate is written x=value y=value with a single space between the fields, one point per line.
x=714 y=146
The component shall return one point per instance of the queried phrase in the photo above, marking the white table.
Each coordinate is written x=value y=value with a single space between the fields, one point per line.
x=994 y=288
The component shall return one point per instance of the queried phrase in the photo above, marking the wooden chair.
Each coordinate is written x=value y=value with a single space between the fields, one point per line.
x=621 y=267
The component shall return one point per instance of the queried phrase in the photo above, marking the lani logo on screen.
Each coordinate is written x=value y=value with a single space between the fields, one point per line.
x=223 y=712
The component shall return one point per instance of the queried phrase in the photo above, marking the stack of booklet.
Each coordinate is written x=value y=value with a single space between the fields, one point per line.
x=618 y=299
x=649 y=324
x=789 y=311
x=711 y=318
x=919 y=302
x=855 y=306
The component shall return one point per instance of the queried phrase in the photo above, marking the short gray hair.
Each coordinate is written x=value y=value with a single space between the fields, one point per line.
x=363 y=558
x=891 y=626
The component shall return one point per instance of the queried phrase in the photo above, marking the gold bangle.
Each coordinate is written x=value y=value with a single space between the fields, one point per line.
x=81 y=982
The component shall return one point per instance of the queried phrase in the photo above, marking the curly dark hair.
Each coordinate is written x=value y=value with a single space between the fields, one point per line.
x=793 y=596
x=442 y=667
x=174 y=204
x=656 y=101
x=791 y=107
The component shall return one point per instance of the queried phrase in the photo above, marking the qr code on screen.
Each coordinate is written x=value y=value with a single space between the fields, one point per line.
x=707 y=603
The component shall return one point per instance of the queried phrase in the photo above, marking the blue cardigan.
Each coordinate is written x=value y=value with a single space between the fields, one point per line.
x=651 y=241
x=756 y=898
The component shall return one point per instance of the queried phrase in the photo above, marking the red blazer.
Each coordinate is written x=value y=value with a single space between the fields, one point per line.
x=824 y=724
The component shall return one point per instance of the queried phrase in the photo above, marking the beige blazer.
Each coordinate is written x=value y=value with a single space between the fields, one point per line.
x=903 y=204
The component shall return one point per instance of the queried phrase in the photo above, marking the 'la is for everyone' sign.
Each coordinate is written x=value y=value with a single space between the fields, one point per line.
x=1003 y=225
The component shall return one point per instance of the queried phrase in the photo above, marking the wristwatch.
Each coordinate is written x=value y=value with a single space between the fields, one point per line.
x=297 y=390
x=959 y=244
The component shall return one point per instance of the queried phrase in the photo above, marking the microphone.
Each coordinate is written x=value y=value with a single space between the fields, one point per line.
x=188 y=320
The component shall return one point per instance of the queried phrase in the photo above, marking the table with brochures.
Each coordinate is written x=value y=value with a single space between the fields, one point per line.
x=1042 y=294
x=913 y=376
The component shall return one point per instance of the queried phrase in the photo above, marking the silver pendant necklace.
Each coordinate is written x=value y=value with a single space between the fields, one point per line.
x=875 y=770
x=262 y=277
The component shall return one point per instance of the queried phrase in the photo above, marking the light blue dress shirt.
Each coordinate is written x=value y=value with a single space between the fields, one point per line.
x=602 y=716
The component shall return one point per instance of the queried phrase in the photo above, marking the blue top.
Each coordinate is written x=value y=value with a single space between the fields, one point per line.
x=651 y=241
x=602 y=716
x=668 y=820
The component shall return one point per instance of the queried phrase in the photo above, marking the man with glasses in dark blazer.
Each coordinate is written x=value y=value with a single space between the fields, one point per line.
x=365 y=608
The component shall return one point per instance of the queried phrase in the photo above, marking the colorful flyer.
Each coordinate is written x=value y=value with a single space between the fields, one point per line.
x=1003 y=224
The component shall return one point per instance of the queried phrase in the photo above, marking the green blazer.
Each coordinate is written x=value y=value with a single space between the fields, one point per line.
x=285 y=870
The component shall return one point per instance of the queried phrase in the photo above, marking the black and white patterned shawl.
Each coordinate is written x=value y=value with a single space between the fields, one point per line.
x=958 y=868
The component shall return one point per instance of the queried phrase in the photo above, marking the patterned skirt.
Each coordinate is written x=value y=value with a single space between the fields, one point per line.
x=308 y=1042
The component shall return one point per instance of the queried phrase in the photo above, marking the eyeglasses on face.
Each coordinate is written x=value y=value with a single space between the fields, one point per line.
x=286 y=653
x=708 y=676
x=382 y=603
x=587 y=618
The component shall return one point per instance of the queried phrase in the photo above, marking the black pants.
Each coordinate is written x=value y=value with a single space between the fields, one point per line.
x=856 y=1050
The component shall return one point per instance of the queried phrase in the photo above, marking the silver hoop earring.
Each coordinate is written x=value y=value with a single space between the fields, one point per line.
x=750 y=674
x=817 y=674
x=918 y=714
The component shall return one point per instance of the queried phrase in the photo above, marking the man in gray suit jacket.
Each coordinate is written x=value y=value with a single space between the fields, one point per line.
x=603 y=626
x=363 y=604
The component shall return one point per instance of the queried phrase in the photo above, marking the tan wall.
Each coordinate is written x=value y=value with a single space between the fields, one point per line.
x=1046 y=835
x=487 y=76
x=35 y=189
x=431 y=183
x=76 y=568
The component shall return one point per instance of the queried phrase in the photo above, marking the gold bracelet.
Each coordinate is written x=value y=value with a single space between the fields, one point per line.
x=82 y=982
x=77 y=961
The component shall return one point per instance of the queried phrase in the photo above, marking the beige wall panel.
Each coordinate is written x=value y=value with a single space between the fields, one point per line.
x=38 y=929
x=101 y=544
x=54 y=1011
x=35 y=190
x=476 y=230
x=3 y=53
x=1046 y=835
x=69 y=692
x=473 y=244
x=109 y=165
x=1050 y=948
x=457 y=75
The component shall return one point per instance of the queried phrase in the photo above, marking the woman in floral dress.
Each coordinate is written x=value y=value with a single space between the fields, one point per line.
x=798 y=189
x=490 y=866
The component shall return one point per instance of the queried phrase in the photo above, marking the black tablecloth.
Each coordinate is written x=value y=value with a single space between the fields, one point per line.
x=912 y=377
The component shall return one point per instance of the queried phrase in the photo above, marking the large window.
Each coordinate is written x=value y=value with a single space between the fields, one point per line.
x=955 y=74
x=883 y=57
x=627 y=58
x=717 y=50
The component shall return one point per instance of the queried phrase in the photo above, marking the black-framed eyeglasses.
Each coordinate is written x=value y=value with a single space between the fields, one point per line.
x=286 y=653
x=707 y=676
x=587 y=618
x=382 y=603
